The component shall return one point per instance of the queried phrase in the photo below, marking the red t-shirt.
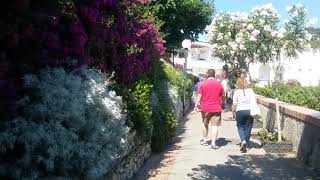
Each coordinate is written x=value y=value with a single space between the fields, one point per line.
x=212 y=92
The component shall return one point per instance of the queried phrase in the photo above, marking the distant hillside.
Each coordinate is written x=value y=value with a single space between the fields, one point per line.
x=315 y=33
x=315 y=41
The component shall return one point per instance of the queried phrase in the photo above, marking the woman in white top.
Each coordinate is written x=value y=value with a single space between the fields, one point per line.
x=242 y=99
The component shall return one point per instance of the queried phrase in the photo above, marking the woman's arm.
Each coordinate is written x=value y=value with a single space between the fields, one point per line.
x=234 y=104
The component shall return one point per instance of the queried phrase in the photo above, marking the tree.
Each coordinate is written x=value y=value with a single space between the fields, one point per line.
x=294 y=41
x=181 y=19
x=241 y=39
x=226 y=33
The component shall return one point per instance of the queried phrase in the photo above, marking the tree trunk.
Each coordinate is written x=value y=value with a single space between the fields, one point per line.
x=278 y=120
x=248 y=71
x=277 y=101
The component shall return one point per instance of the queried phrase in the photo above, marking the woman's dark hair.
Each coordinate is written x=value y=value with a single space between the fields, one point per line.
x=196 y=79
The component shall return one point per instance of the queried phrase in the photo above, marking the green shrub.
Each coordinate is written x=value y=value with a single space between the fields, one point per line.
x=165 y=71
x=138 y=101
x=139 y=107
x=267 y=91
x=165 y=125
x=164 y=120
x=168 y=92
x=154 y=103
x=301 y=96
x=267 y=136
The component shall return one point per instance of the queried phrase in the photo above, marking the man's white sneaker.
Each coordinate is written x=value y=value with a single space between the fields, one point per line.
x=213 y=146
x=204 y=142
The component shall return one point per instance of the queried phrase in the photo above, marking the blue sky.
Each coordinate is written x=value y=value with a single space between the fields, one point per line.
x=313 y=7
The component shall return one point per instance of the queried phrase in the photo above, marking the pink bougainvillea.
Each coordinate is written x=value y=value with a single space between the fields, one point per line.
x=114 y=31
x=110 y=35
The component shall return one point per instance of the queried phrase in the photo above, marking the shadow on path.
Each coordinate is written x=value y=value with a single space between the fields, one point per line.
x=220 y=142
x=254 y=167
x=163 y=161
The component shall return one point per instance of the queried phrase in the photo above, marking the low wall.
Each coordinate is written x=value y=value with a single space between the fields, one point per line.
x=127 y=166
x=139 y=152
x=299 y=125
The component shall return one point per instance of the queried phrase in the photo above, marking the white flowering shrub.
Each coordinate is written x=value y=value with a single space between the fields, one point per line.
x=166 y=103
x=68 y=126
x=257 y=37
x=176 y=100
x=224 y=33
x=239 y=38
x=166 y=111
x=265 y=33
x=169 y=94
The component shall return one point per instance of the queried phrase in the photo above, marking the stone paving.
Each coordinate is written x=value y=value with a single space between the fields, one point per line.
x=187 y=159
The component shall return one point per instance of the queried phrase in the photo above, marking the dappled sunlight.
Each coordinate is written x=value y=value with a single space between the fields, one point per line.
x=254 y=167
x=187 y=159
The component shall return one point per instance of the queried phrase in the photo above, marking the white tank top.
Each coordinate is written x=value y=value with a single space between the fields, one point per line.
x=242 y=99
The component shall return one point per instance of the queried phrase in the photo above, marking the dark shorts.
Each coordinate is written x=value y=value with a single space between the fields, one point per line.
x=214 y=118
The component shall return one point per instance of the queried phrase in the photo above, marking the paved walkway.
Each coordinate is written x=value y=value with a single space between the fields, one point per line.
x=187 y=159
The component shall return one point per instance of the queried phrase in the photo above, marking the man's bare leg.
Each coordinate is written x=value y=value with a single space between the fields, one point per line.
x=205 y=127
x=214 y=130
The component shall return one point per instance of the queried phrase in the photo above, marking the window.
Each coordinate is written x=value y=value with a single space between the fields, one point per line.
x=203 y=54
x=264 y=72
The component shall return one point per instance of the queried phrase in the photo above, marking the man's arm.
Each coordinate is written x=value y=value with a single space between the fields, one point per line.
x=223 y=99
x=197 y=106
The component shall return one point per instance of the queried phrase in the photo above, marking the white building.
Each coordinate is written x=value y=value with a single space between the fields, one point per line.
x=305 y=67
x=200 y=59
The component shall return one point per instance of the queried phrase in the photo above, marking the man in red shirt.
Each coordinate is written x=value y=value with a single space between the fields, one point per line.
x=211 y=99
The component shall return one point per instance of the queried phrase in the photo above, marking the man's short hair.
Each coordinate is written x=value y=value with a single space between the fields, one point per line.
x=211 y=73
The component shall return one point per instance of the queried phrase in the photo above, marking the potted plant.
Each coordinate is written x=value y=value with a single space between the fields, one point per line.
x=271 y=144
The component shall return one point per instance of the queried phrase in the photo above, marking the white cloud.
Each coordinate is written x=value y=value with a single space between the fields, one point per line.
x=311 y=22
x=299 y=5
x=288 y=8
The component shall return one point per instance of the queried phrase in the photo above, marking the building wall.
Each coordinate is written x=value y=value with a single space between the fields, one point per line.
x=200 y=60
x=304 y=68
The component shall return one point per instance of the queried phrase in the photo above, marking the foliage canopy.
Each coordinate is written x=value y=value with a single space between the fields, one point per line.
x=181 y=19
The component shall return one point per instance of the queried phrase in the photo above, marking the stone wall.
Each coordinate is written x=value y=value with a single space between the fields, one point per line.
x=139 y=151
x=127 y=166
x=299 y=125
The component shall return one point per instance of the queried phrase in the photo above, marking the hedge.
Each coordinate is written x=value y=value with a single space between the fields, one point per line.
x=303 y=96
x=152 y=103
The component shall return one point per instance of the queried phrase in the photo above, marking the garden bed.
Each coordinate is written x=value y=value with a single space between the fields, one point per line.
x=270 y=143
x=277 y=147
